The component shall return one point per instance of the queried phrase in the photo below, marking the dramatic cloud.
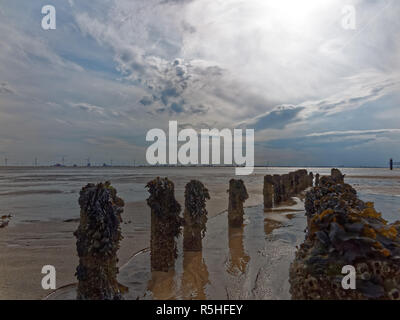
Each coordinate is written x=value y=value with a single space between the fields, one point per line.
x=5 y=88
x=278 y=118
x=114 y=69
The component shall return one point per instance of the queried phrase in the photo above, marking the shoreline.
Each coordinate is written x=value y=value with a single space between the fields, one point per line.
x=26 y=247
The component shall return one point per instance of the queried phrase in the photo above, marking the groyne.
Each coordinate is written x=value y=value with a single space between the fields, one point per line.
x=345 y=233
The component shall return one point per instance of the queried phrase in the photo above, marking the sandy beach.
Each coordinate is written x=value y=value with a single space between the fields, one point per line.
x=26 y=247
x=29 y=243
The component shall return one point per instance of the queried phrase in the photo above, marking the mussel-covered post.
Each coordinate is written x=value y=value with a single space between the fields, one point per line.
x=268 y=191
x=317 y=179
x=343 y=231
x=292 y=178
x=337 y=176
x=277 y=179
x=296 y=182
x=98 y=237
x=237 y=196
x=165 y=223
x=304 y=180
x=195 y=215
x=311 y=179
x=286 y=185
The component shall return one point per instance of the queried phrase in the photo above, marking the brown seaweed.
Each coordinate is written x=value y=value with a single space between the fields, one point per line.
x=343 y=230
x=98 y=237
x=195 y=215
x=165 y=223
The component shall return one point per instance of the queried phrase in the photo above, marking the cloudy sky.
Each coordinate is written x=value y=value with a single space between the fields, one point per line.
x=316 y=93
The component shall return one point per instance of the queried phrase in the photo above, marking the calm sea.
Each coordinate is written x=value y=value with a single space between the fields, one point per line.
x=43 y=194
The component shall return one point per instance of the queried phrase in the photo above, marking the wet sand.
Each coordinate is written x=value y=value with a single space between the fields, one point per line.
x=250 y=262
x=26 y=247
x=37 y=234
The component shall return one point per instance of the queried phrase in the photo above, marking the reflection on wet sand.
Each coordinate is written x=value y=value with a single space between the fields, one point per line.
x=271 y=225
x=162 y=285
x=249 y=262
x=195 y=276
x=238 y=258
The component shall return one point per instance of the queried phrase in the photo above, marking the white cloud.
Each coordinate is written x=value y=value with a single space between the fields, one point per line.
x=128 y=66
x=353 y=132
x=256 y=54
x=88 y=107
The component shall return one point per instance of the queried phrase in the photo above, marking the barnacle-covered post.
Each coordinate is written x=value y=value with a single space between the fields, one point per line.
x=165 y=223
x=277 y=180
x=292 y=189
x=345 y=231
x=195 y=215
x=310 y=179
x=286 y=185
x=304 y=179
x=337 y=176
x=317 y=179
x=98 y=237
x=296 y=182
x=237 y=196
x=268 y=191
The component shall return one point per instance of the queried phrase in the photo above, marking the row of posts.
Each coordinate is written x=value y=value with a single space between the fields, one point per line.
x=99 y=233
x=280 y=188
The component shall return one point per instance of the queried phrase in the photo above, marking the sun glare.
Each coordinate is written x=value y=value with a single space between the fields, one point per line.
x=295 y=13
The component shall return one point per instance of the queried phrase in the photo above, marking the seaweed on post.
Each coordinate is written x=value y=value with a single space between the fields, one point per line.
x=345 y=231
x=317 y=177
x=237 y=196
x=165 y=223
x=98 y=237
x=310 y=179
x=286 y=184
x=337 y=176
x=195 y=215
x=268 y=192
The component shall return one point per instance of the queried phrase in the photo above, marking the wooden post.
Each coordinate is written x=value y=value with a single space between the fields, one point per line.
x=268 y=191
x=317 y=179
x=296 y=182
x=98 y=237
x=311 y=179
x=303 y=180
x=195 y=215
x=337 y=176
x=285 y=187
x=277 y=179
x=292 y=178
x=237 y=196
x=165 y=224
